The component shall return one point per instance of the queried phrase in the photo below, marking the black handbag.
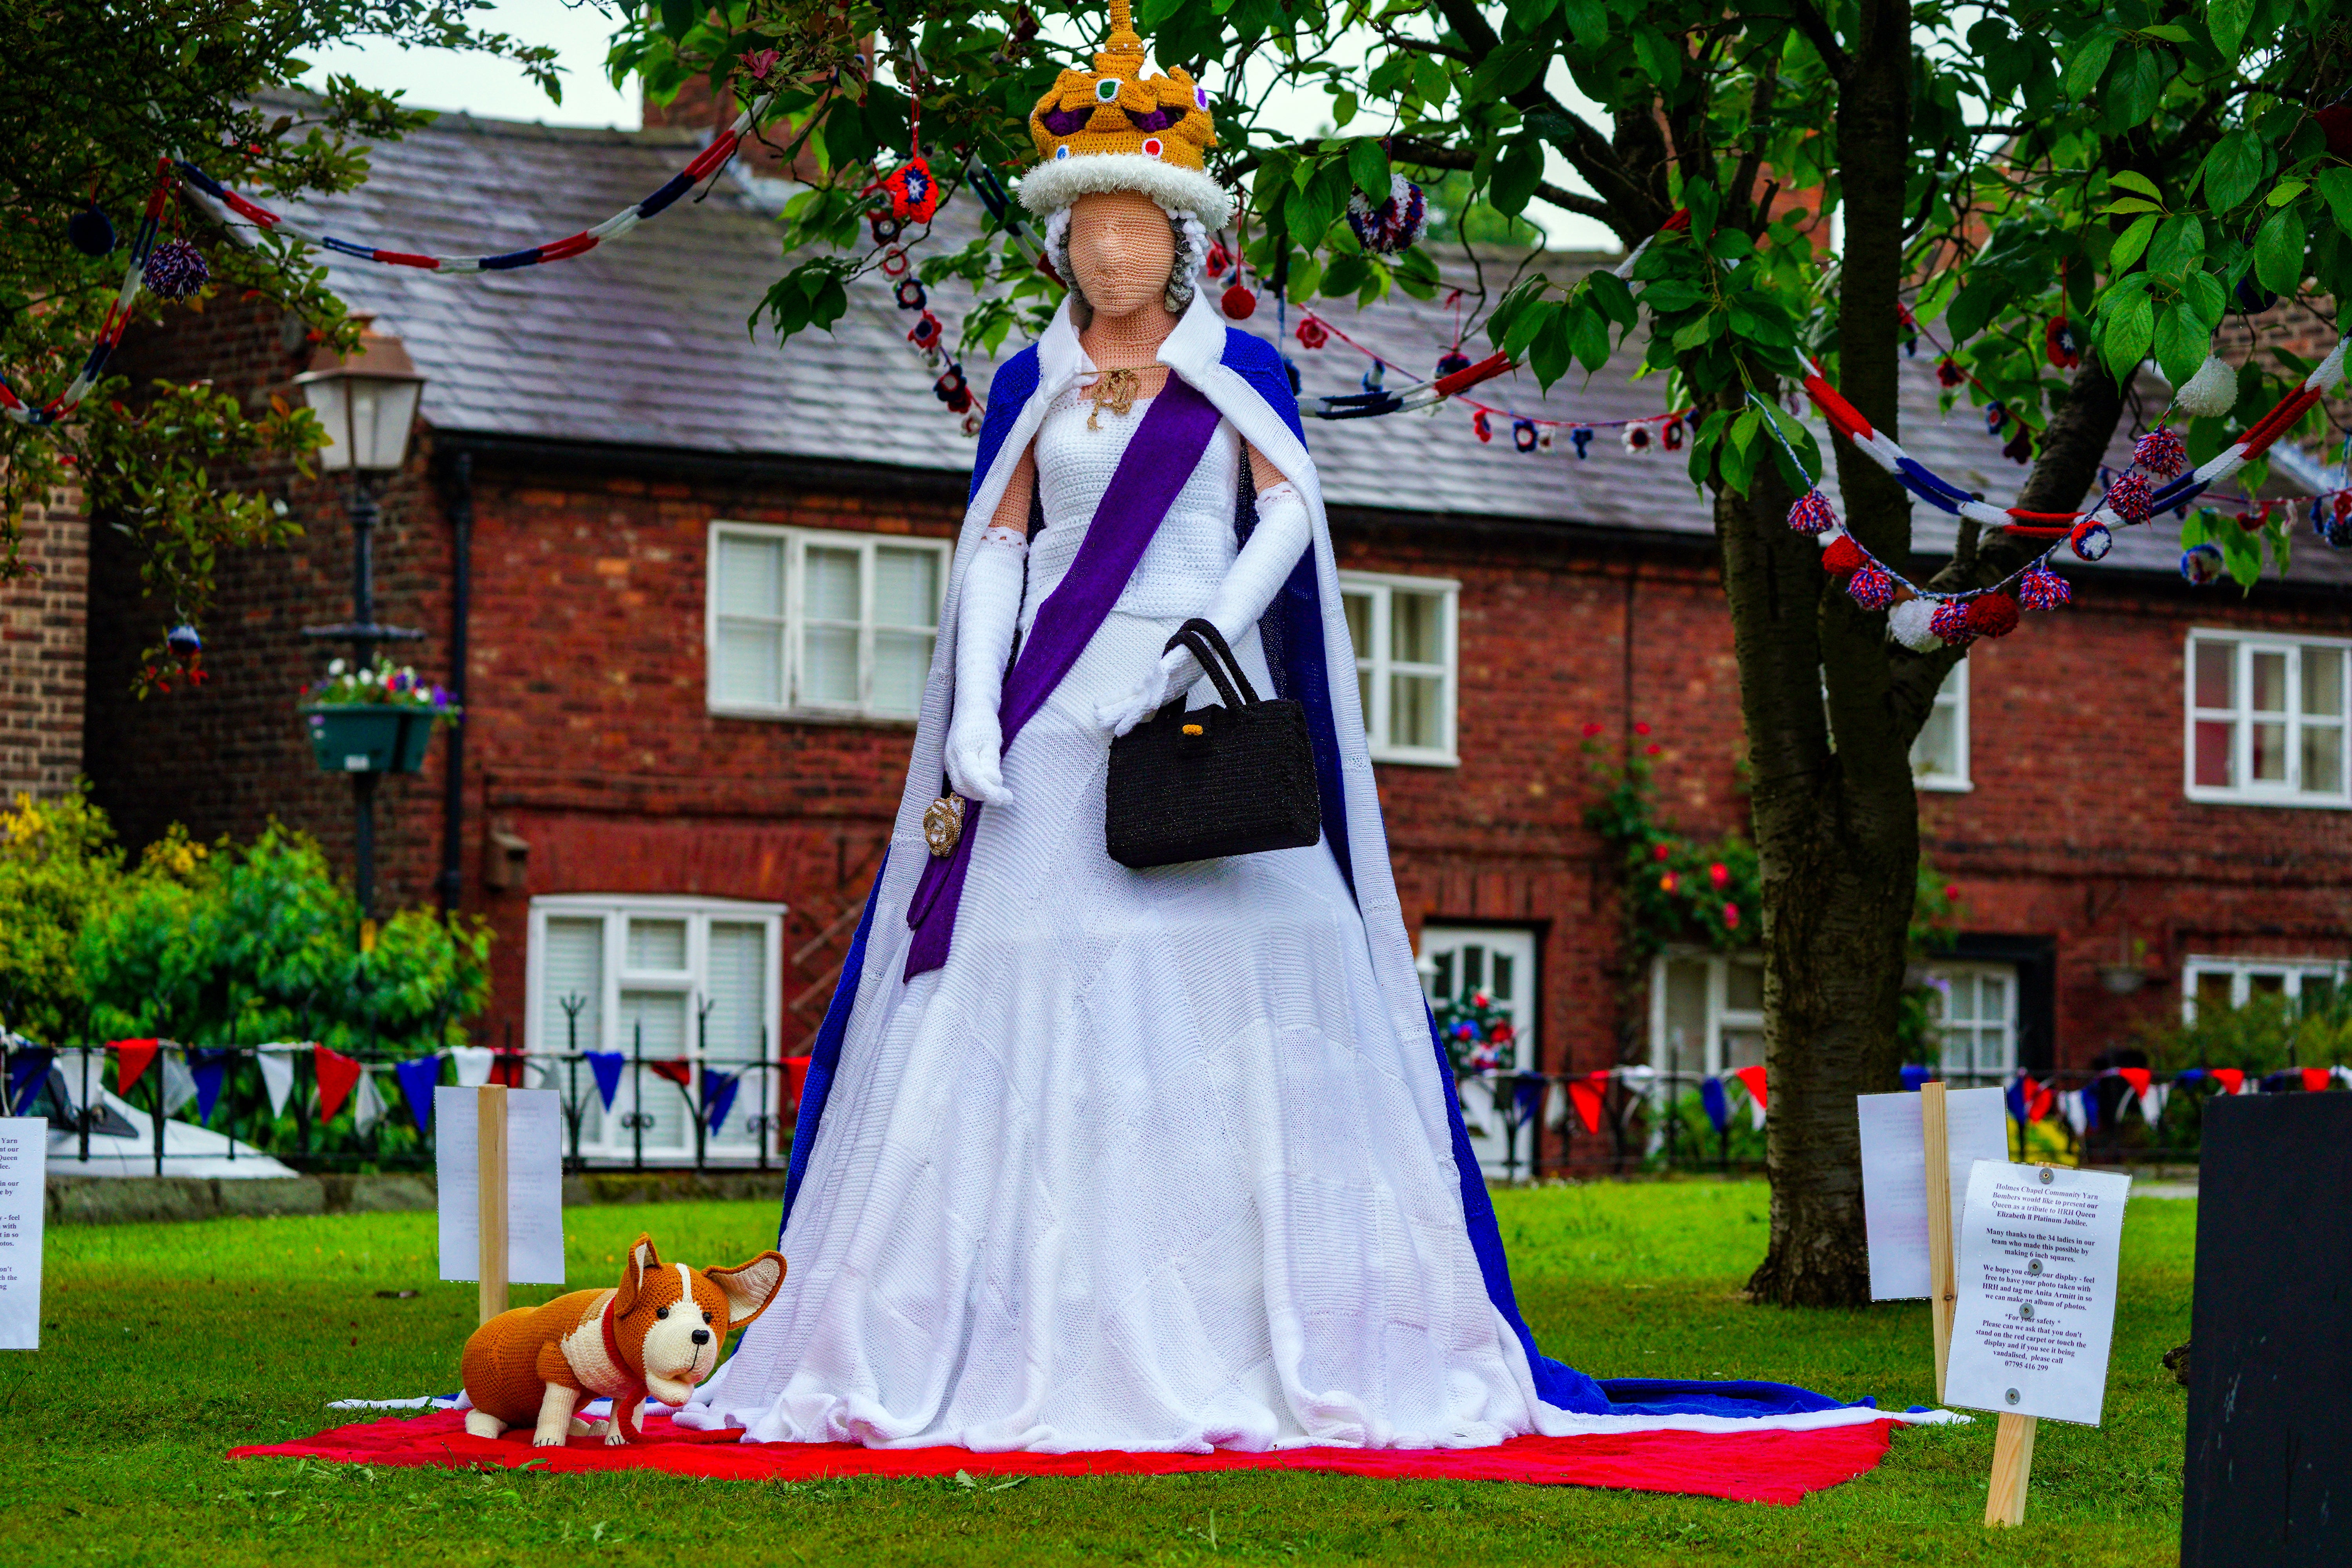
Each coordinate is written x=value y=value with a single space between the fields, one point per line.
x=1212 y=782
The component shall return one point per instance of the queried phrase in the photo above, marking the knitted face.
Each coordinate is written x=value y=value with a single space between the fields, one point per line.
x=1121 y=249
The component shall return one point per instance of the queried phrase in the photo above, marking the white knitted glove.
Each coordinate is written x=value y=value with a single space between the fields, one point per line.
x=1257 y=576
x=986 y=618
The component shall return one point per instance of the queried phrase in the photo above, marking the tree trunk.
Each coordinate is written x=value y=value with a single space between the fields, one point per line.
x=1837 y=831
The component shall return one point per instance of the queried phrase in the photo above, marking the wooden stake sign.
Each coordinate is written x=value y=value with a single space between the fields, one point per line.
x=1943 y=1295
x=490 y=1147
x=500 y=1159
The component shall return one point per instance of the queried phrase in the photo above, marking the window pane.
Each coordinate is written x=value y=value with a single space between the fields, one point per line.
x=1742 y=1048
x=1503 y=977
x=2268 y=682
x=829 y=664
x=1440 y=978
x=2269 y=761
x=1359 y=622
x=2323 y=759
x=2217 y=668
x=657 y=945
x=2322 y=682
x=1412 y=710
x=751 y=665
x=571 y=967
x=906 y=587
x=1936 y=753
x=2213 y=991
x=657 y=1021
x=2217 y=763
x=1993 y=999
x=2318 y=991
x=2266 y=984
x=738 y=995
x=1685 y=1015
x=1743 y=990
x=901 y=662
x=1473 y=968
x=829 y=589
x=1414 y=625
x=750 y=576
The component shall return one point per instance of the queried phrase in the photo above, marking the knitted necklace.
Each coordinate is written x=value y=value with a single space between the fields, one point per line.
x=1126 y=348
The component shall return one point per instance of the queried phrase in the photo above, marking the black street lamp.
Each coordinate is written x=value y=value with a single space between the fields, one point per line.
x=368 y=404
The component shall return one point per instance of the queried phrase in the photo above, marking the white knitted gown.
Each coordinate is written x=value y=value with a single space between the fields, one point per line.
x=1146 y=1165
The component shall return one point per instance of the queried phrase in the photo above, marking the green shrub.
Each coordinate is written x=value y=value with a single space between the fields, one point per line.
x=59 y=864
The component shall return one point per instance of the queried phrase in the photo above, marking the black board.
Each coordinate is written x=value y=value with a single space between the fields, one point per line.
x=2269 y=1475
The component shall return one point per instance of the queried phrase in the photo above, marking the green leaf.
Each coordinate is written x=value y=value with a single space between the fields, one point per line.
x=1591 y=341
x=1527 y=324
x=2241 y=553
x=2181 y=341
x=1670 y=294
x=2196 y=528
x=2204 y=294
x=1368 y=166
x=679 y=16
x=2132 y=180
x=2131 y=205
x=1978 y=303
x=1430 y=80
x=1517 y=171
x=2226 y=21
x=2335 y=183
x=1509 y=69
x=2169 y=33
x=2125 y=328
x=2232 y=170
x=1588 y=19
x=1345 y=275
x=1615 y=299
x=1343 y=110
x=2278 y=252
x=1744 y=428
x=2179 y=244
x=2089 y=63
x=1548 y=357
x=2135 y=87
x=1697 y=332
x=2130 y=243
x=2284 y=192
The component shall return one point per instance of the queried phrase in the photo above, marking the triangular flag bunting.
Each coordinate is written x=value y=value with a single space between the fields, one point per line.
x=416 y=1079
x=130 y=1060
x=276 y=1066
x=510 y=1069
x=473 y=1064
x=2231 y=1079
x=367 y=1103
x=1752 y=1080
x=2071 y=1105
x=26 y=1068
x=796 y=1071
x=2138 y=1078
x=2152 y=1101
x=179 y=1083
x=607 y=1065
x=1914 y=1074
x=719 y=1091
x=337 y=1073
x=1711 y=1098
x=2019 y=1097
x=2315 y=1079
x=210 y=1070
x=1585 y=1095
x=678 y=1069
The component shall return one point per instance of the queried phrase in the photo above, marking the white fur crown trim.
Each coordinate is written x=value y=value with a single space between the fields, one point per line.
x=1053 y=185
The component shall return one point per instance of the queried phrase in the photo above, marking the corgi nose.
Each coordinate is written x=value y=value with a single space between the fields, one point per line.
x=702 y=1336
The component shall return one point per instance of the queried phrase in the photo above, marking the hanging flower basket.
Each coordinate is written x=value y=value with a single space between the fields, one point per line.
x=374 y=721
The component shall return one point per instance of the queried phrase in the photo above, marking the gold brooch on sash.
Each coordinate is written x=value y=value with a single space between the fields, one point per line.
x=943 y=825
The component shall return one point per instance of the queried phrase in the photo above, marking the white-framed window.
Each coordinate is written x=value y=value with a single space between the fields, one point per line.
x=665 y=979
x=2266 y=720
x=1707 y=1013
x=1403 y=629
x=1973 y=1007
x=806 y=623
x=2210 y=982
x=1939 y=756
x=1499 y=963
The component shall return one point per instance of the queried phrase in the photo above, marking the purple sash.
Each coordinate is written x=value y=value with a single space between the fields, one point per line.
x=1160 y=457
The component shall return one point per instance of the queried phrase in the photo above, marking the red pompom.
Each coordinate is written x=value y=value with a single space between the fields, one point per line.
x=1843 y=555
x=1238 y=304
x=1993 y=615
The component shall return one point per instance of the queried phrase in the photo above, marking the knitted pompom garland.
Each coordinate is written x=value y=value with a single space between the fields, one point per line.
x=1395 y=225
x=2202 y=565
x=2043 y=589
x=1993 y=615
x=1912 y=623
x=175 y=270
x=1843 y=555
x=2212 y=392
x=2160 y=452
x=1872 y=587
x=1812 y=513
x=1950 y=621
x=2131 y=498
x=2091 y=541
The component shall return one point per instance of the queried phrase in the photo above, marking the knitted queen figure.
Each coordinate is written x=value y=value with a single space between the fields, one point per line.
x=1094 y=1158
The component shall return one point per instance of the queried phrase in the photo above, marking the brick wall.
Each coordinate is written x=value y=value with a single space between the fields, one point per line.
x=43 y=628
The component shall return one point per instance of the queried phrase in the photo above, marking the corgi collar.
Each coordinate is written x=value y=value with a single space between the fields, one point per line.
x=632 y=1391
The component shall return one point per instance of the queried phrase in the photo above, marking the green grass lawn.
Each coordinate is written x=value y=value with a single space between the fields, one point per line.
x=165 y=1345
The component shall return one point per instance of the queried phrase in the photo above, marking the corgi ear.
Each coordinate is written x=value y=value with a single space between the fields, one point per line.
x=642 y=1256
x=749 y=1286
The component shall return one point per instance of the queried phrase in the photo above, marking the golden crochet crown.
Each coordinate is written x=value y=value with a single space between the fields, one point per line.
x=1115 y=129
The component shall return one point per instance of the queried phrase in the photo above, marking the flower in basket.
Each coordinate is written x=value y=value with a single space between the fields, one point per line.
x=381 y=685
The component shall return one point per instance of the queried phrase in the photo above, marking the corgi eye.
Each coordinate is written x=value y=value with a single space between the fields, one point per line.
x=661 y=1311
x=706 y=1317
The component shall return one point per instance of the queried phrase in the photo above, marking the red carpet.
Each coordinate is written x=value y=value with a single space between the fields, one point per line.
x=1761 y=1466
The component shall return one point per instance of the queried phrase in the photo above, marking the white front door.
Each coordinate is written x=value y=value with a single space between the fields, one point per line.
x=1460 y=964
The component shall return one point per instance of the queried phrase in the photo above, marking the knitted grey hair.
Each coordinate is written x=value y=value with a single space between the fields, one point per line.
x=1191 y=254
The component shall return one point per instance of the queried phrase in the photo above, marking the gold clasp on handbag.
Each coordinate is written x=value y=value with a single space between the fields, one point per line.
x=943 y=825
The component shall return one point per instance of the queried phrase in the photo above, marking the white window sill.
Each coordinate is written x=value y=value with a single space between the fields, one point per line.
x=812 y=716
x=2209 y=795
x=1935 y=786
x=1416 y=757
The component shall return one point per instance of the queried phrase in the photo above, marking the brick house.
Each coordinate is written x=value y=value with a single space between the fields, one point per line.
x=693 y=580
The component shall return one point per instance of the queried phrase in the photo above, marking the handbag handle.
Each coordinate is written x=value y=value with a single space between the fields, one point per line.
x=1200 y=635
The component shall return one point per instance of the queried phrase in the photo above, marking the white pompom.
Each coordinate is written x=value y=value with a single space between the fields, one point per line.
x=2212 y=392
x=1909 y=623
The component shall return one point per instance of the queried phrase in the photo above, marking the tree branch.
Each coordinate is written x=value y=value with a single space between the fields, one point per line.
x=1429 y=155
x=1808 y=20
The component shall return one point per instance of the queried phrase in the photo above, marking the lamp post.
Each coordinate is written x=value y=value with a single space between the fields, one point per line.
x=368 y=404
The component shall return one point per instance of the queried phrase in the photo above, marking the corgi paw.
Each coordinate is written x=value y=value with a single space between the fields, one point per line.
x=583 y=1427
x=615 y=1438
x=482 y=1423
x=547 y=1439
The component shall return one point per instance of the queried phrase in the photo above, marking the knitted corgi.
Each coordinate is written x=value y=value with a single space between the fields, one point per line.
x=658 y=1333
